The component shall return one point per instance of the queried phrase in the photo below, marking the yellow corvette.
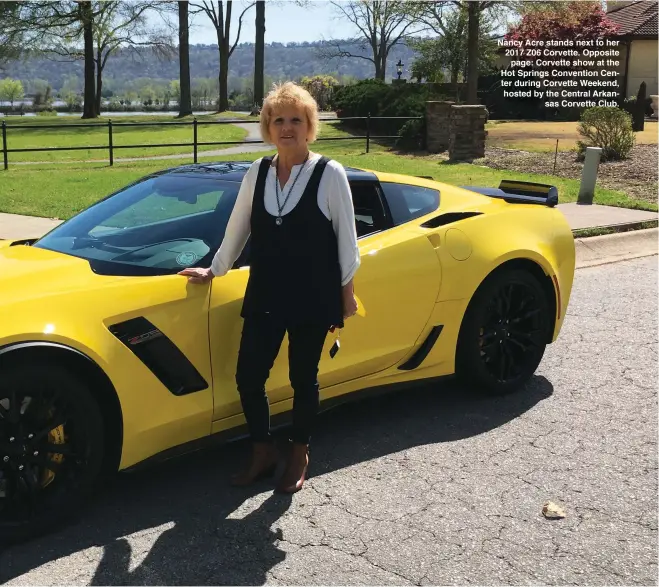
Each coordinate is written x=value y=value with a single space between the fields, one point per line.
x=108 y=358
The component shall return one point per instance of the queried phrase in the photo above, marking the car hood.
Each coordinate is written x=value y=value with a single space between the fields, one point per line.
x=28 y=273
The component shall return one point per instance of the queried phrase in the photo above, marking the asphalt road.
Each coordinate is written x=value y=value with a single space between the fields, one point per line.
x=421 y=487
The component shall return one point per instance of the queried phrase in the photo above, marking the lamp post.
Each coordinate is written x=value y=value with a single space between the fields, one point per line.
x=399 y=68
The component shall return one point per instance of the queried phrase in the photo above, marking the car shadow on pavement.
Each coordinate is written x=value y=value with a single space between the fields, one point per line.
x=188 y=526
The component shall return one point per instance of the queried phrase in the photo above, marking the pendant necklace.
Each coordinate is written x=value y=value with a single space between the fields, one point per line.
x=280 y=207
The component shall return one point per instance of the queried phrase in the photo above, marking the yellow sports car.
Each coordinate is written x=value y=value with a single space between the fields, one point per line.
x=108 y=358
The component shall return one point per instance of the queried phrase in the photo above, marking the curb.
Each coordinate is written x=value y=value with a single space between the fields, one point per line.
x=610 y=248
x=607 y=229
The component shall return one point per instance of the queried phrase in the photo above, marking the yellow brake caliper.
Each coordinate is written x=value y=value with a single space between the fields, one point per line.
x=55 y=436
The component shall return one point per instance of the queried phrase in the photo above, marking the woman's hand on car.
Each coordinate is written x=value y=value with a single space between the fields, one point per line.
x=199 y=275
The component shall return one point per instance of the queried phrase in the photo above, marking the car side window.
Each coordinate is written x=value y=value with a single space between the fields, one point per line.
x=408 y=202
x=369 y=212
x=369 y=215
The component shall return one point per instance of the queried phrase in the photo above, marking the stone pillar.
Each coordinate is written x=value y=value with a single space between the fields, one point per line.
x=467 y=133
x=437 y=126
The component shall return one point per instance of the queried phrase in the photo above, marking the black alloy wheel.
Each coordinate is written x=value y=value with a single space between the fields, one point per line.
x=504 y=333
x=51 y=448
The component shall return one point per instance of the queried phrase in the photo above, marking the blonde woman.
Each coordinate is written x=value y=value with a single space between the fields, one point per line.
x=297 y=208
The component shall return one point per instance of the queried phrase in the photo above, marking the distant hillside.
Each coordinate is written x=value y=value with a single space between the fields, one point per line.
x=289 y=61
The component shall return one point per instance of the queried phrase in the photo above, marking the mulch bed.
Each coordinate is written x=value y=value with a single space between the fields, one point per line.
x=636 y=176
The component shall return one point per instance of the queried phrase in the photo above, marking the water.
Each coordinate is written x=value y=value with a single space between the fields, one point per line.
x=114 y=114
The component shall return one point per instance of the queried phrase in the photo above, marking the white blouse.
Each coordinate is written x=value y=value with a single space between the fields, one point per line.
x=334 y=200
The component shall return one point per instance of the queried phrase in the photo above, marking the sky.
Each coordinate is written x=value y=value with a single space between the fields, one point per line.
x=284 y=22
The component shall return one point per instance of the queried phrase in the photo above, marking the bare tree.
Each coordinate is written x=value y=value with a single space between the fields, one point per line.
x=382 y=24
x=125 y=25
x=116 y=25
x=215 y=12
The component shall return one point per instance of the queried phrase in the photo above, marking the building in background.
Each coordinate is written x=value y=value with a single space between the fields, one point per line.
x=639 y=44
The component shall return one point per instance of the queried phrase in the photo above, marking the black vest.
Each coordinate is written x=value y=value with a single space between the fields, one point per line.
x=295 y=273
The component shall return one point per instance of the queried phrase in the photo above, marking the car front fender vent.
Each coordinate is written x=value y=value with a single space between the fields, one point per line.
x=448 y=218
x=160 y=355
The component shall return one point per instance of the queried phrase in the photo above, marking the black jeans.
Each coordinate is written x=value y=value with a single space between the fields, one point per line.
x=259 y=346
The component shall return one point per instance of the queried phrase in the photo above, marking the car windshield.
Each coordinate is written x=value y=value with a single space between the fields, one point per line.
x=156 y=226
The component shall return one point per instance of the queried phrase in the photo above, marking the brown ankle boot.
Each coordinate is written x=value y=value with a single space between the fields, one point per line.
x=263 y=463
x=296 y=470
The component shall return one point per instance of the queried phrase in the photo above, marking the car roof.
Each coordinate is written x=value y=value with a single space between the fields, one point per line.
x=236 y=170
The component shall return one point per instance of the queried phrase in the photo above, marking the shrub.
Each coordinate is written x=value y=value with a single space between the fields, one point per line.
x=629 y=104
x=609 y=128
x=382 y=99
x=361 y=98
x=412 y=135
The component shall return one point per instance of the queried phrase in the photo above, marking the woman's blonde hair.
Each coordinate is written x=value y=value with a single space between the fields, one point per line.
x=289 y=94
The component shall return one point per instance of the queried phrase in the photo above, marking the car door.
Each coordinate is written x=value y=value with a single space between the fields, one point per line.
x=396 y=284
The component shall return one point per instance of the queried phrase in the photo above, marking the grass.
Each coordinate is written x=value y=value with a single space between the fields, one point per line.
x=541 y=136
x=68 y=135
x=55 y=191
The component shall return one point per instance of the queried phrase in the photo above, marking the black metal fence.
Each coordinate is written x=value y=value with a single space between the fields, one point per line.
x=110 y=147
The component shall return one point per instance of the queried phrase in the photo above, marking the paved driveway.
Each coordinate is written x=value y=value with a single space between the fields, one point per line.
x=429 y=486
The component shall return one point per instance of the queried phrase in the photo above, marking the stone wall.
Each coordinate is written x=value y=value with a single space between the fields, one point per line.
x=460 y=130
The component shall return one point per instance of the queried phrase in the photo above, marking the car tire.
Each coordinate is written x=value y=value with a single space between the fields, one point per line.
x=46 y=474
x=499 y=348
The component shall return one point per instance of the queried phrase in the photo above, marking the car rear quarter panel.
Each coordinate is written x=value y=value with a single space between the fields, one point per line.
x=483 y=243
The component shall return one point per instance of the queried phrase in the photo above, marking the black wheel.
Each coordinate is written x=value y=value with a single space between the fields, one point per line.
x=51 y=448
x=504 y=333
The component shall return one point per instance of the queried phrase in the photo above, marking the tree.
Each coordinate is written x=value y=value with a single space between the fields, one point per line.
x=185 y=103
x=124 y=24
x=41 y=24
x=576 y=20
x=381 y=23
x=448 y=52
x=11 y=90
x=259 y=57
x=10 y=38
x=215 y=12
x=436 y=14
x=87 y=20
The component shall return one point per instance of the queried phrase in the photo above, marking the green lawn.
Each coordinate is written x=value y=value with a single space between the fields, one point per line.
x=66 y=134
x=58 y=191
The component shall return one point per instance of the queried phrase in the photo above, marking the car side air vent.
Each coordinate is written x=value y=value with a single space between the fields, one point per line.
x=448 y=218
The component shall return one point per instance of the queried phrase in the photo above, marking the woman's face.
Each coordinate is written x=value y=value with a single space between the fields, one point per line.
x=289 y=128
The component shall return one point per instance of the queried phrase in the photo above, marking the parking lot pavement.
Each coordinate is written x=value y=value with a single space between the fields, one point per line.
x=426 y=486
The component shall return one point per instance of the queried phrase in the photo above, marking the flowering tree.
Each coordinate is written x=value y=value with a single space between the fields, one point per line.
x=574 y=20
x=321 y=87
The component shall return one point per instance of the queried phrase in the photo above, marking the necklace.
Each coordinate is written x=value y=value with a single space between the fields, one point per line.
x=280 y=207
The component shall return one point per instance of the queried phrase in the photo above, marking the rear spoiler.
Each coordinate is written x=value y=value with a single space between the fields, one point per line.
x=520 y=192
